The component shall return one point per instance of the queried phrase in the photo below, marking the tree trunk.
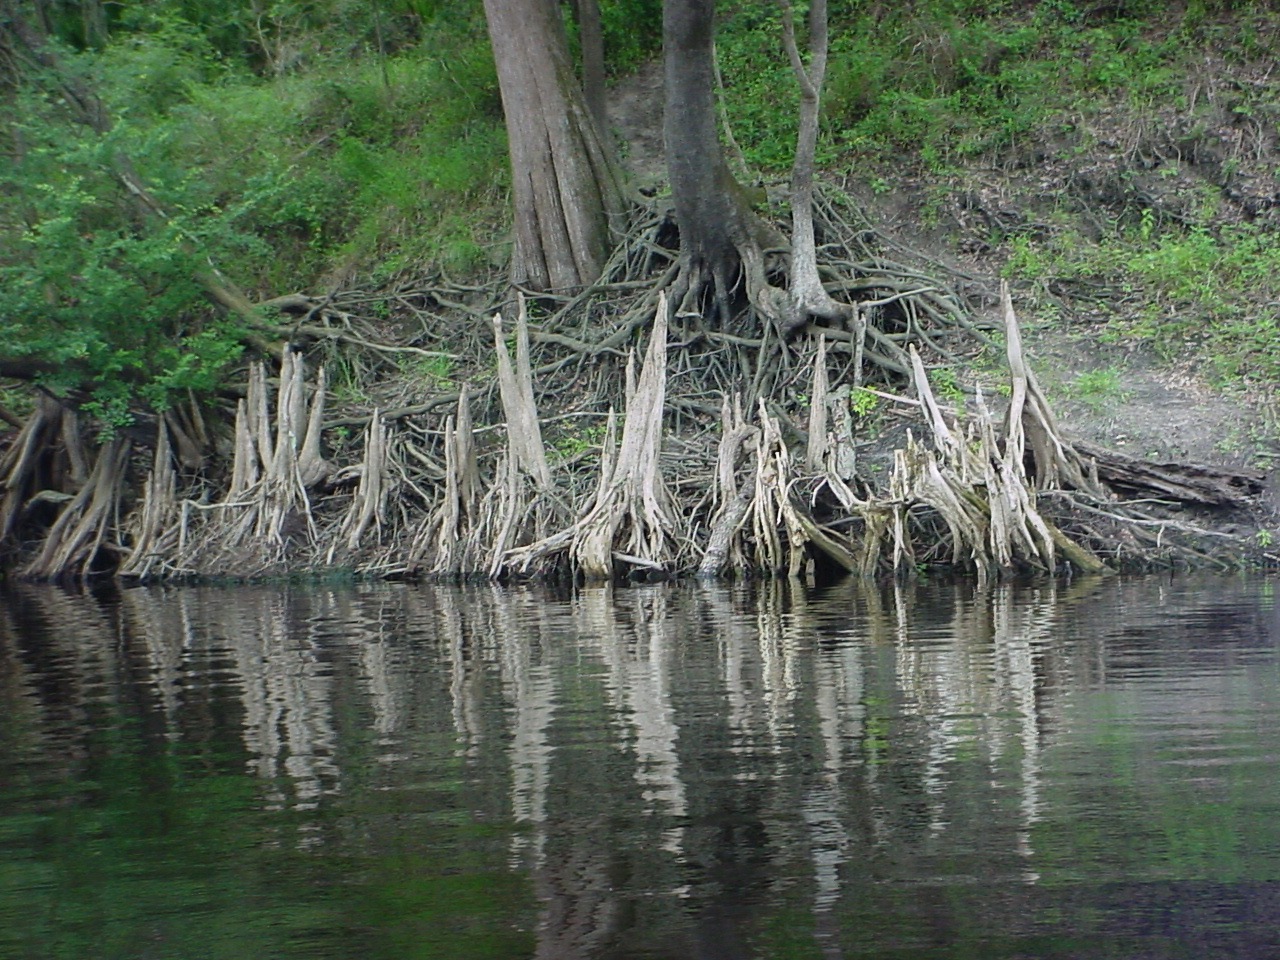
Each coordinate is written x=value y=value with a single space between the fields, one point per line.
x=722 y=241
x=591 y=36
x=569 y=201
x=714 y=219
x=808 y=296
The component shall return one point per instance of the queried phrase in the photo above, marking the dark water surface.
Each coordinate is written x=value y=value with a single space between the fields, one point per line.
x=397 y=771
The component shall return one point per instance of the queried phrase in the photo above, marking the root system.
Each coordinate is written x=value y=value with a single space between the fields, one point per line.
x=608 y=435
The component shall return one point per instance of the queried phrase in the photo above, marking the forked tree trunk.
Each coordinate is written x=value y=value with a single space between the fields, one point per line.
x=808 y=296
x=569 y=200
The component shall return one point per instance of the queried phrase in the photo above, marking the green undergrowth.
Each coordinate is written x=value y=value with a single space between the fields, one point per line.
x=331 y=160
x=933 y=96
x=942 y=81
x=301 y=147
x=1211 y=289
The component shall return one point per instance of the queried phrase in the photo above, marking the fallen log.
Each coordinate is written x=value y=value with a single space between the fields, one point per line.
x=1191 y=483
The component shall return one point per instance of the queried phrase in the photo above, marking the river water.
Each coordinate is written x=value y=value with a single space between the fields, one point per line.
x=1077 y=770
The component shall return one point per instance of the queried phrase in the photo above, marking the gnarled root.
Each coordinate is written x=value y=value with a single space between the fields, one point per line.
x=631 y=520
x=265 y=518
x=72 y=544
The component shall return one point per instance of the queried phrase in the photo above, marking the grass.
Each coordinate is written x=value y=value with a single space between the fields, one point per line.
x=375 y=172
x=935 y=90
x=1207 y=287
x=1099 y=389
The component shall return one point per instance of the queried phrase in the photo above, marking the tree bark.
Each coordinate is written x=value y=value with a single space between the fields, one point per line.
x=591 y=36
x=716 y=224
x=808 y=296
x=722 y=241
x=567 y=191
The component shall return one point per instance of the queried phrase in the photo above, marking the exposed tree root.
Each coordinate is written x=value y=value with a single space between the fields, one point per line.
x=152 y=532
x=632 y=518
x=732 y=450
x=74 y=540
x=32 y=468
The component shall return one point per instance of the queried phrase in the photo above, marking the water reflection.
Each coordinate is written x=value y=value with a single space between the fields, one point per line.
x=672 y=771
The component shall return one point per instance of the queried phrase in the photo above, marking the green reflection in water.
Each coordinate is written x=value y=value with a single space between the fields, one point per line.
x=153 y=851
x=148 y=854
x=663 y=772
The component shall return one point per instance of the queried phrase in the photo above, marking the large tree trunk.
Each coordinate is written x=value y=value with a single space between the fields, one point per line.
x=716 y=224
x=569 y=200
x=722 y=241
x=591 y=37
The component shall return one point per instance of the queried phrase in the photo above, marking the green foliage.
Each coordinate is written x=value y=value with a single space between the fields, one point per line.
x=430 y=371
x=946 y=384
x=1200 y=286
x=931 y=80
x=102 y=294
x=863 y=402
x=393 y=157
x=1205 y=287
x=1099 y=388
x=760 y=89
x=344 y=168
x=943 y=80
x=289 y=142
x=577 y=440
x=632 y=32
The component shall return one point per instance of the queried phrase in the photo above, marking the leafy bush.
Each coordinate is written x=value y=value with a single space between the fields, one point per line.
x=274 y=180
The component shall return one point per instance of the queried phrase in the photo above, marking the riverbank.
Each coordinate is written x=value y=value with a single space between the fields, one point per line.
x=627 y=451
x=384 y=427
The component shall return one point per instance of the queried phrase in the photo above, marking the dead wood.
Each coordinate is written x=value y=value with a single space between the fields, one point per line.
x=731 y=500
x=72 y=543
x=152 y=531
x=1190 y=483
x=631 y=518
x=25 y=468
x=264 y=521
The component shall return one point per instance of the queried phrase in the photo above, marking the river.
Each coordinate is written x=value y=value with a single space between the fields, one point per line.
x=1071 y=770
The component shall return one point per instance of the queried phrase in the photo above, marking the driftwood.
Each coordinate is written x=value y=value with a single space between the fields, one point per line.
x=1184 y=482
